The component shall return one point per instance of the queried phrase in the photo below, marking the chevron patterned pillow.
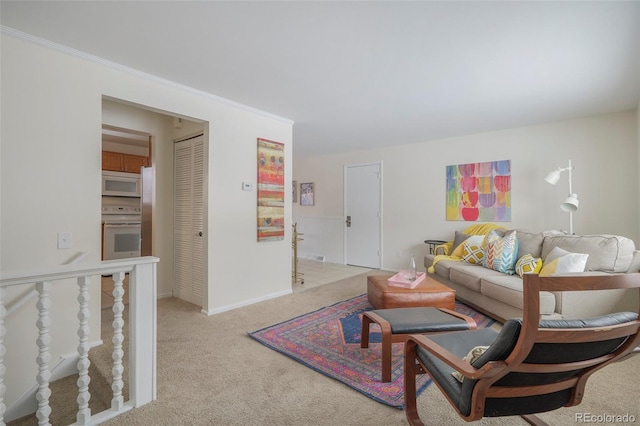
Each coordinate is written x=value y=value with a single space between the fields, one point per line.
x=501 y=252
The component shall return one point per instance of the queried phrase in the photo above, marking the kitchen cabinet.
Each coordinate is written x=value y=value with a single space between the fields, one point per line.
x=120 y=162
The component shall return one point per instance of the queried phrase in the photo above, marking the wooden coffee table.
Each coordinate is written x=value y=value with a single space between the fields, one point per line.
x=429 y=293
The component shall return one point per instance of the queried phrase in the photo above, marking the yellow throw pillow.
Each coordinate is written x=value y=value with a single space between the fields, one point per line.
x=472 y=250
x=528 y=264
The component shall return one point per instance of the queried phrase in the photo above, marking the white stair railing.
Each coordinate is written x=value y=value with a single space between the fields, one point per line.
x=142 y=334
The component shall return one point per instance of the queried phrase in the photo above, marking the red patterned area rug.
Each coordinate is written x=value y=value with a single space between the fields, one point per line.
x=328 y=341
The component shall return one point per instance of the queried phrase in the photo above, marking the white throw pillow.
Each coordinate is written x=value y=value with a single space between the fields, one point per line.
x=568 y=263
x=555 y=253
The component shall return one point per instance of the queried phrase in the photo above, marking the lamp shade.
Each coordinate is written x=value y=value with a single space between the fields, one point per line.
x=553 y=177
x=571 y=203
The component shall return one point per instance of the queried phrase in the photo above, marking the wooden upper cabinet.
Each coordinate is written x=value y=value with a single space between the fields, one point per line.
x=113 y=161
x=119 y=162
x=133 y=163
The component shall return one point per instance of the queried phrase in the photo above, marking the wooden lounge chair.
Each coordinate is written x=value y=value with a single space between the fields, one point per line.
x=531 y=366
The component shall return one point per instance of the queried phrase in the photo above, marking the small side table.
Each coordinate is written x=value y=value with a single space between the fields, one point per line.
x=433 y=244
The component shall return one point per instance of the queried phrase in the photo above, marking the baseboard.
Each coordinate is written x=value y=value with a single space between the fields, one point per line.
x=318 y=258
x=245 y=303
x=27 y=404
x=165 y=295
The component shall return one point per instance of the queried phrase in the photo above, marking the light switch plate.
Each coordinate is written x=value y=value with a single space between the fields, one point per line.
x=65 y=240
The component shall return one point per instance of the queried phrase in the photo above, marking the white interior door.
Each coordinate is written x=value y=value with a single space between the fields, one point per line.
x=363 y=214
x=188 y=217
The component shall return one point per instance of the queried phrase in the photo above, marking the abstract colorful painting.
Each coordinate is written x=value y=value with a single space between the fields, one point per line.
x=479 y=192
x=270 y=190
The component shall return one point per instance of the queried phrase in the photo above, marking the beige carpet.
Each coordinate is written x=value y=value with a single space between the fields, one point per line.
x=211 y=373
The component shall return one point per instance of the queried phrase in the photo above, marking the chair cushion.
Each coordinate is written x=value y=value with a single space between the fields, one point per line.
x=499 y=350
x=542 y=353
x=421 y=320
x=459 y=343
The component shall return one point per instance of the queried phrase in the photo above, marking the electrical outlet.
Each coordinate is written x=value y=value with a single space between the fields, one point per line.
x=65 y=240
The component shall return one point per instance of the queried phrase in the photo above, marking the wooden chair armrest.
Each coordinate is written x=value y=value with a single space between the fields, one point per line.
x=466 y=369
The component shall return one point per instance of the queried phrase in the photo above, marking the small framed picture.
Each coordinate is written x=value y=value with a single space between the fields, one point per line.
x=295 y=191
x=306 y=194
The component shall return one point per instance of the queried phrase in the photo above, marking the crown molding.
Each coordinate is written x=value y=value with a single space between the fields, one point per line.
x=136 y=73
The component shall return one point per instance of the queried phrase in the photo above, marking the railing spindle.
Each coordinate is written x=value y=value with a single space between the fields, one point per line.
x=142 y=339
x=43 y=341
x=118 y=338
x=84 y=412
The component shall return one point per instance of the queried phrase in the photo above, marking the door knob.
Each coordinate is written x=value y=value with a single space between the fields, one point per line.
x=348 y=221
x=200 y=234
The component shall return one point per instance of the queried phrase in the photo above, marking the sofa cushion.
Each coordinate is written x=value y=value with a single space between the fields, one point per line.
x=443 y=266
x=469 y=275
x=607 y=253
x=458 y=239
x=529 y=243
x=508 y=289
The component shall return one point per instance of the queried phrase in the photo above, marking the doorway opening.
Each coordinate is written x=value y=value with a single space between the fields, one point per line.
x=161 y=129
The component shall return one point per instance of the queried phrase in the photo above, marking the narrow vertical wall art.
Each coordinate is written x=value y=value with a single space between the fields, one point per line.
x=270 y=190
x=479 y=192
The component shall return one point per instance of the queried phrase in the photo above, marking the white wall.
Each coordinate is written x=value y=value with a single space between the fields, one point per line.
x=603 y=149
x=51 y=166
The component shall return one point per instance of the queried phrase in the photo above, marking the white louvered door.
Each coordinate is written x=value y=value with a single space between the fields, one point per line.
x=188 y=220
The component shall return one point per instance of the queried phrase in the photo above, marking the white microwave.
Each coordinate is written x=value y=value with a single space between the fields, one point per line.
x=121 y=184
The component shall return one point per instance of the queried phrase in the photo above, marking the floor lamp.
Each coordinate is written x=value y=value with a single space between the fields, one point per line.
x=571 y=203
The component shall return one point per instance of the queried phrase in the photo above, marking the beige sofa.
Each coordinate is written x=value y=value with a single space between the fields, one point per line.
x=500 y=295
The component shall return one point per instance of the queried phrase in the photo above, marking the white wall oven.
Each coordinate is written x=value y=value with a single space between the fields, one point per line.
x=120 y=184
x=121 y=229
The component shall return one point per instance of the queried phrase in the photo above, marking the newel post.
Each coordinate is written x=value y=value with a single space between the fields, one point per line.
x=142 y=333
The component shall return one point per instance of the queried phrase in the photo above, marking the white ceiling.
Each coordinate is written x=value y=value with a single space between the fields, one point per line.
x=364 y=74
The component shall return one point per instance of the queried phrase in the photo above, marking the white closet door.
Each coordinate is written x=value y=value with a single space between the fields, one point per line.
x=188 y=220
